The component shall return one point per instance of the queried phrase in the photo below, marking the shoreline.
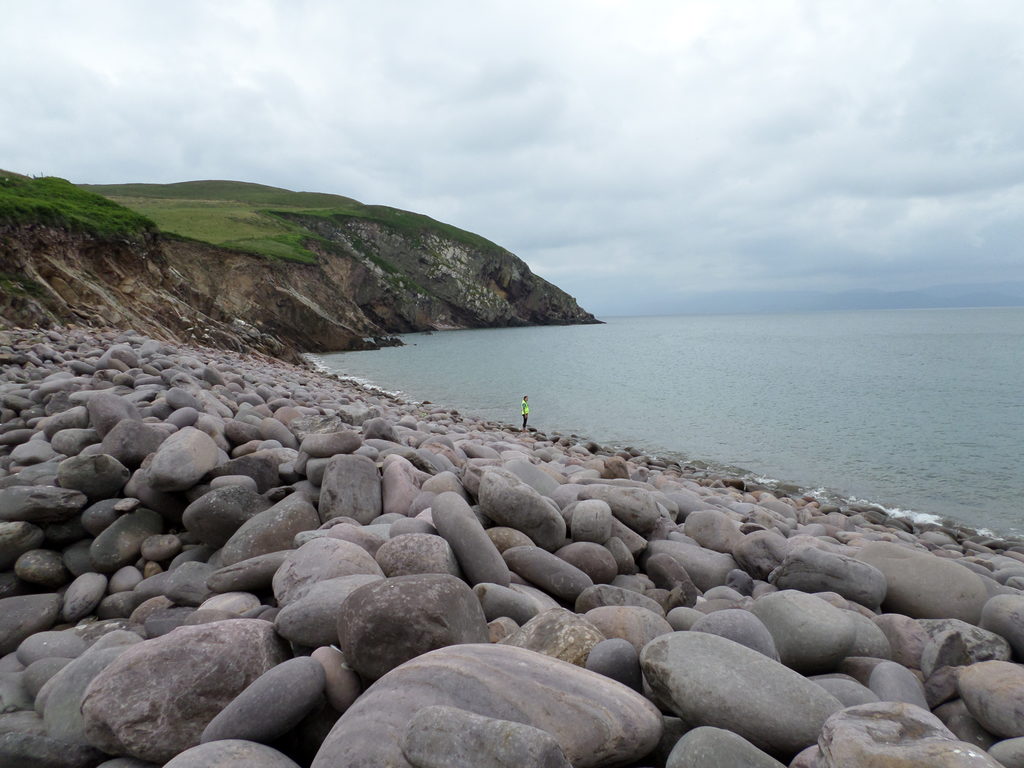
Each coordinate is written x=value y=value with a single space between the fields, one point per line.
x=332 y=574
x=699 y=468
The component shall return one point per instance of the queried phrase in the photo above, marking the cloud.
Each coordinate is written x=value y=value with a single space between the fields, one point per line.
x=634 y=153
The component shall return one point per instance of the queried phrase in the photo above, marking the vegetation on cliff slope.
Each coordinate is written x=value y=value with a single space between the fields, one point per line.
x=50 y=201
x=264 y=220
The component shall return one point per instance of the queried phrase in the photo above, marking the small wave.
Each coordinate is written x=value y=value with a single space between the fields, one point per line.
x=320 y=366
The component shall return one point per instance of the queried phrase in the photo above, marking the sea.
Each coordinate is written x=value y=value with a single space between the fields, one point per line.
x=918 y=411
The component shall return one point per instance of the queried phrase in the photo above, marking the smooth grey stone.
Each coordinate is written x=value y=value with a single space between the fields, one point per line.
x=846 y=689
x=33 y=749
x=106 y=410
x=810 y=569
x=533 y=476
x=618 y=659
x=994 y=694
x=740 y=626
x=869 y=639
x=82 y=596
x=98 y=476
x=272 y=530
x=238 y=604
x=186 y=584
x=608 y=594
x=637 y=625
x=449 y=737
x=42 y=567
x=955 y=716
x=16 y=538
x=161 y=547
x=595 y=721
x=706 y=746
x=130 y=442
x=272 y=705
x=97 y=517
x=261 y=466
x=412 y=553
x=231 y=753
x=740 y=581
x=591 y=521
x=1009 y=753
x=66 y=689
x=166 y=620
x=548 y=572
x=761 y=552
x=507 y=501
x=119 y=544
x=894 y=682
x=558 y=633
x=177 y=398
x=72 y=418
x=351 y=487
x=399 y=485
x=33 y=452
x=593 y=559
x=327 y=444
x=318 y=560
x=713 y=529
x=710 y=680
x=38 y=673
x=14 y=696
x=206 y=665
x=682 y=618
x=119 y=605
x=636 y=508
x=923 y=586
x=312 y=619
x=40 y=503
x=705 y=567
x=215 y=516
x=477 y=556
x=254 y=574
x=498 y=601
x=183 y=417
x=894 y=733
x=385 y=623
x=182 y=460
x=25 y=615
x=1004 y=615
x=810 y=635
x=341 y=684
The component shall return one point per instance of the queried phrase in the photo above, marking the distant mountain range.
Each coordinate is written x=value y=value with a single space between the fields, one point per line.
x=1010 y=294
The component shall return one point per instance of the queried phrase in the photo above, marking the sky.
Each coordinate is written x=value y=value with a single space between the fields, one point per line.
x=647 y=157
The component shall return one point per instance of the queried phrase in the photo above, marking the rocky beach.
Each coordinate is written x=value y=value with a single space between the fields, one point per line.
x=209 y=559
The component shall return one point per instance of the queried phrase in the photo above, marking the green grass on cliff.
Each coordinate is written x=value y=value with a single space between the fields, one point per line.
x=58 y=203
x=261 y=219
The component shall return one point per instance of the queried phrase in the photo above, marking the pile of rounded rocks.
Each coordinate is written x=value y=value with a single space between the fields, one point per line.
x=213 y=560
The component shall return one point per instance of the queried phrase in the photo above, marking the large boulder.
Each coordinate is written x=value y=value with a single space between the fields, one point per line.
x=24 y=615
x=810 y=569
x=318 y=560
x=558 y=633
x=507 y=501
x=994 y=694
x=479 y=559
x=923 y=586
x=811 y=635
x=707 y=746
x=351 y=487
x=710 y=680
x=182 y=459
x=385 y=623
x=272 y=530
x=894 y=734
x=595 y=721
x=215 y=516
x=180 y=681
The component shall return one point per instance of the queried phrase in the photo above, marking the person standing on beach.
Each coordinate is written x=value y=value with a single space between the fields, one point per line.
x=526 y=410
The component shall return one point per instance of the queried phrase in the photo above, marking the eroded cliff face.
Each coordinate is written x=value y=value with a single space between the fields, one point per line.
x=369 y=282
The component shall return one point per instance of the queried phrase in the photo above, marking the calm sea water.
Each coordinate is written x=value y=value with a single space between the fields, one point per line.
x=918 y=410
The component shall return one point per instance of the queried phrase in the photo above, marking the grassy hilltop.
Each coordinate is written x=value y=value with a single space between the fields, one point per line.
x=260 y=219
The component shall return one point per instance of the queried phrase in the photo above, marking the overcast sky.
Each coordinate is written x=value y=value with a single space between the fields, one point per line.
x=634 y=153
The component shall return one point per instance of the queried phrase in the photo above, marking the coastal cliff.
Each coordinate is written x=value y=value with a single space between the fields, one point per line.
x=332 y=277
